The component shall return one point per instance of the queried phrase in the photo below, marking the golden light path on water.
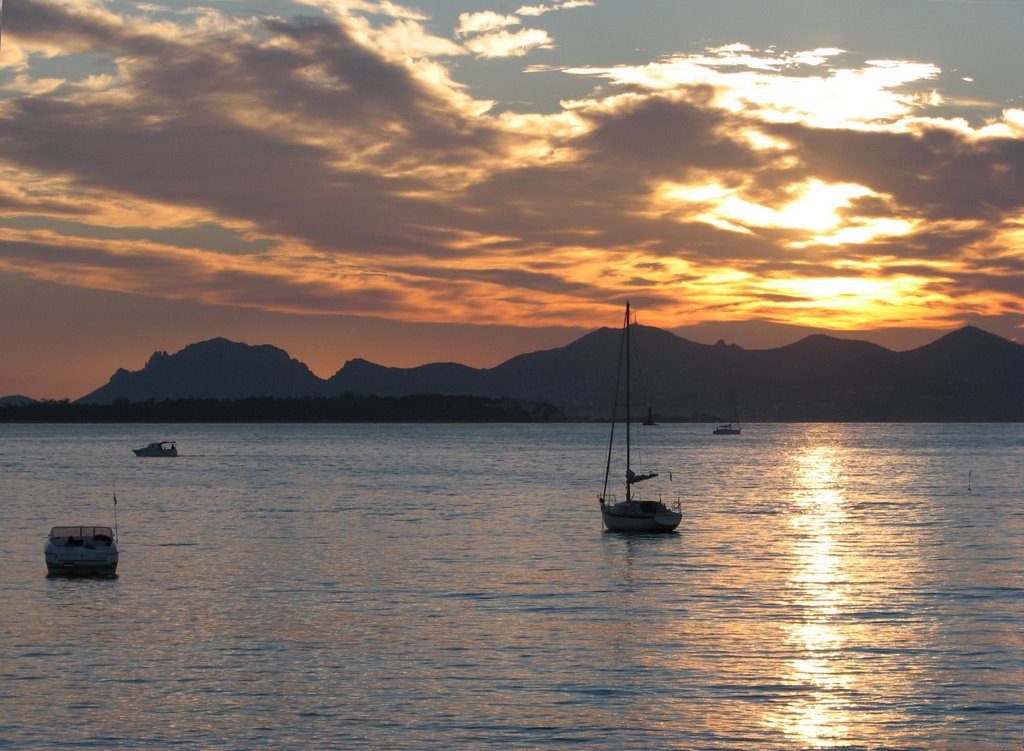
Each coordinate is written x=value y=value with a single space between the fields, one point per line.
x=823 y=718
x=835 y=574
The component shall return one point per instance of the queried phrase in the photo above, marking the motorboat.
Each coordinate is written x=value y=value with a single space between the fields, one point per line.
x=81 y=551
x=161 y=448
x=634 y=513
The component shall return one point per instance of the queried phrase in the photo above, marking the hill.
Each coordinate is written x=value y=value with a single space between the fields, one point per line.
x=214 y=369
x=966 y=375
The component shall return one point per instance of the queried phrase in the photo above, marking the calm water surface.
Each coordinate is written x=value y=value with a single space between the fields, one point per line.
x=449 y=586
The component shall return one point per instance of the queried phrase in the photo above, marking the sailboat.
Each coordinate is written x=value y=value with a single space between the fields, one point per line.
x=634 y=514
x=730 y=428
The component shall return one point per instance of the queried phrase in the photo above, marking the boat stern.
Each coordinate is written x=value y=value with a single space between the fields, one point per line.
x=81 y=551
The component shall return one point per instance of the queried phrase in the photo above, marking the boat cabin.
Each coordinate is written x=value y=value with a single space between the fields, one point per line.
x=81 y=536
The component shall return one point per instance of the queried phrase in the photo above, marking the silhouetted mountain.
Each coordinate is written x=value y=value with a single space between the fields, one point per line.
x=670 y=373
x=215 y=369
x=15 y=400
x=970 y=374
x=970 y=351
x=363 y=377
x=965 y=375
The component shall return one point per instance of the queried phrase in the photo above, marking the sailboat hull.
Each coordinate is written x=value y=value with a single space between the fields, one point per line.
x=633 y=516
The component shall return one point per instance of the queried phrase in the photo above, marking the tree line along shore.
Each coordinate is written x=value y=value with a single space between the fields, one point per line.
x=343 y=408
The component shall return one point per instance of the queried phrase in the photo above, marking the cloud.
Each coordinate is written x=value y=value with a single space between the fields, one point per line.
x=331 y=163
x=539 y=10
x=486 y=21
x=489 y=39
x=381 y=8
x=785 y=88
x=509 y=44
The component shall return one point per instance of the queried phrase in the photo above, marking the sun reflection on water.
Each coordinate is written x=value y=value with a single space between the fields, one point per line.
x=818 y=715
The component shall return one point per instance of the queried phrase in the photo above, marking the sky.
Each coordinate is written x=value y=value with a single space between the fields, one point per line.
x=466 y=181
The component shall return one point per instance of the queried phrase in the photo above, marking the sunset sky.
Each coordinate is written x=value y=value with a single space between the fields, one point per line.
x=465 y=181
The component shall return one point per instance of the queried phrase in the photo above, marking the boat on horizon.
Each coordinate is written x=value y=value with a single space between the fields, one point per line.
x=733 y=427
x=634 y=513
x=159 y=448
x=84 y=550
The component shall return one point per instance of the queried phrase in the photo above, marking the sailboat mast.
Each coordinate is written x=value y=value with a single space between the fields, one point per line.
x=628 y=470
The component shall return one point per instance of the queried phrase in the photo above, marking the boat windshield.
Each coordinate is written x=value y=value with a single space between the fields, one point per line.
x=81 y=531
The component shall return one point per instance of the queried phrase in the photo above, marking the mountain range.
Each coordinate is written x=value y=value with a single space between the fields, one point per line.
x=966 y=375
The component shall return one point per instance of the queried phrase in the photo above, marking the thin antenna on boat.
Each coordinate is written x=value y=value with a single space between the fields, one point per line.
x=113 y=491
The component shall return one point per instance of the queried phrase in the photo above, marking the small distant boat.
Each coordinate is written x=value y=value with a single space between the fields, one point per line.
x=632 y=514
x=162 y=448
x=81 y=551
x=730 y=428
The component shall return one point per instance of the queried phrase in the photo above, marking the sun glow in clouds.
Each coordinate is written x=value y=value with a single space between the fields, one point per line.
x=847 y=301
x=814 y=206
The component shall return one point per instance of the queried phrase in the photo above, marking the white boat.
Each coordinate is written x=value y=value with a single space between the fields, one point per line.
x=161 y=448
x=634 y=513
x=81 y=551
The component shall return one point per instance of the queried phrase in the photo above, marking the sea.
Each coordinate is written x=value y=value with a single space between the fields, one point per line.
x=449 y=586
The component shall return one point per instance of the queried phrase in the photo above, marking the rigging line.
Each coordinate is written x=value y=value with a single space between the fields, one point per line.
x=615 y=414
x=641 y=381
x=113 y=492
x=628 y=393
